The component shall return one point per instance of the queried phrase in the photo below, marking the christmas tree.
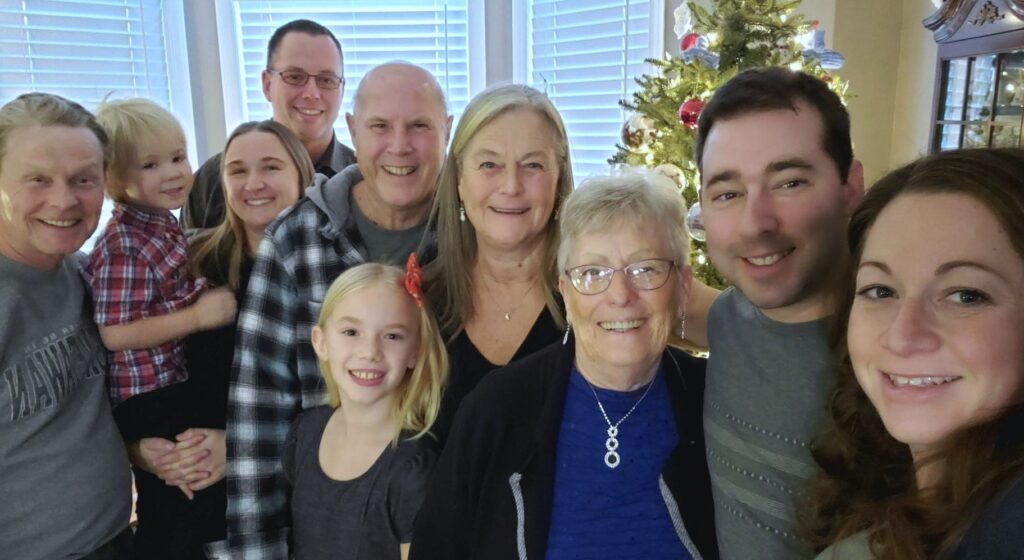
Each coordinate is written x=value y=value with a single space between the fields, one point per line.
x=719 y=38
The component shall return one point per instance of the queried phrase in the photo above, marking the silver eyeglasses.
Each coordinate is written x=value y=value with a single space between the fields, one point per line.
x=592 y=279
x=299 y=78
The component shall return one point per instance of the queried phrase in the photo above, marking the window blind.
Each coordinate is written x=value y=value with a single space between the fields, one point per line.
x=84 y=49
x=585 y=56
x=430 y=33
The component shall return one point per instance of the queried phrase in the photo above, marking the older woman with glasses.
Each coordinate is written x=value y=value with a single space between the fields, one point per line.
x=592 y=447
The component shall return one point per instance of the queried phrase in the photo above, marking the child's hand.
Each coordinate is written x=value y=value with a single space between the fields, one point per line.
x=215 y=308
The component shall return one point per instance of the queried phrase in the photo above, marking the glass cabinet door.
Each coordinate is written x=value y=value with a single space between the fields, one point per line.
x=982 y=102
x=952 y=104
x=1009 y=108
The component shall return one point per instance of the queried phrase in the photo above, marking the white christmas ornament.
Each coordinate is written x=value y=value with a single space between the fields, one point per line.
x=695 y=224
x=640 y=123
x=684 y=19
x=672 y=172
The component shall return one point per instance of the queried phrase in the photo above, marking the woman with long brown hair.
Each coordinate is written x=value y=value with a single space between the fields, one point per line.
x=264 y=171
x=924 y=454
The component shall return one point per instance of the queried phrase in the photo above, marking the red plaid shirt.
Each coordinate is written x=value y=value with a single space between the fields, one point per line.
x=139 y=269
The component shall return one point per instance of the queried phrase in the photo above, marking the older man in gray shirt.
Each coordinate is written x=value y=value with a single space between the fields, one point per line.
x=66 y=490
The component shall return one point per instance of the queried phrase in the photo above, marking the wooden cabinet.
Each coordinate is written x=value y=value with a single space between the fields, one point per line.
x=979 y=87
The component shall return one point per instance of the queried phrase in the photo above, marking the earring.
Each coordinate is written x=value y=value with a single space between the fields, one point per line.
x=565 y=339
x=462 y=212
x=682 y=326
x=557 y=210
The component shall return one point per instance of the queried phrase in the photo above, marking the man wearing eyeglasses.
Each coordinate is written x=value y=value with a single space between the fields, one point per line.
x=304 y=83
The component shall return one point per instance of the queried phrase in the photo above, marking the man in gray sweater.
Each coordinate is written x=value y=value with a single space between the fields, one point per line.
x=66 y=490
x=778 y=183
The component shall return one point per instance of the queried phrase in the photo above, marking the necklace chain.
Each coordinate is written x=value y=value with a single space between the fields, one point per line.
x=507 y=314
x=611 y=457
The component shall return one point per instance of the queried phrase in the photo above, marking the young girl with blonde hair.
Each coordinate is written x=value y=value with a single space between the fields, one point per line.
x=358 y=466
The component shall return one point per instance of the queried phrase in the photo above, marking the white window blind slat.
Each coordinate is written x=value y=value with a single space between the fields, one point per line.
x=84 y=50
x=431 y=33
x=585 y=56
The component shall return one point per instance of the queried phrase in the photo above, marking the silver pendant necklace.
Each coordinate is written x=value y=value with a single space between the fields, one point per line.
x=611 y=457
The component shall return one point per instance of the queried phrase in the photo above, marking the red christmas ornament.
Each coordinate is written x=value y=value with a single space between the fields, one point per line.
x=689 y=41
x=689 y=112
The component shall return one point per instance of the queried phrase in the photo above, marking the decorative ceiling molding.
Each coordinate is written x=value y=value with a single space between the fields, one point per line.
x=948 y=19
x=1017 y=7
x=952 y=15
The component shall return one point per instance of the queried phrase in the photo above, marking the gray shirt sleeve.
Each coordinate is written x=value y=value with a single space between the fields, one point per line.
x=408 y=488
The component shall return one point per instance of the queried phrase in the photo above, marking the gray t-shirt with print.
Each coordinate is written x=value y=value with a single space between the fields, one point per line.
x=767 y=387
x=66 y=485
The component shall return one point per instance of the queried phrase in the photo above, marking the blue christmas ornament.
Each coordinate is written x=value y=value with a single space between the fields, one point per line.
x=832 y=60
x=828 y=58
x=699 y=51
x=706 y=57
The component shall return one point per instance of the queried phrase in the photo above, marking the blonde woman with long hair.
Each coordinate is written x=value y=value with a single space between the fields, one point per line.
x=493 y=282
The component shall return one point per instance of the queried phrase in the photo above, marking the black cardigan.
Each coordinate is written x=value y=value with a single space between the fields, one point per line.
x=490 y=493
x=996 y=534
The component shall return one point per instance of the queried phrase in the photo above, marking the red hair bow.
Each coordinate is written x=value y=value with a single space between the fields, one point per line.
x=414 y=279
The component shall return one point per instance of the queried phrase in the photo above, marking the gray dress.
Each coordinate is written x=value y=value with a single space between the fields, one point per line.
x=365 y=518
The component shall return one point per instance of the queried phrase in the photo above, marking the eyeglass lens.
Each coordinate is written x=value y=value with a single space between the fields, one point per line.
x=645 y=275
x=298 y=78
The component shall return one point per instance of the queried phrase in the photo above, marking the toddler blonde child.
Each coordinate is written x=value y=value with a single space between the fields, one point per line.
x=145 y=300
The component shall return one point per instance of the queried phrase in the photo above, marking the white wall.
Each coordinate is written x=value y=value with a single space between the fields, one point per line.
x=915 y=85
x=868 y=34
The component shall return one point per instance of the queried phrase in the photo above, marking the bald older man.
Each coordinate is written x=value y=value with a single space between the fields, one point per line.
x=376 y=211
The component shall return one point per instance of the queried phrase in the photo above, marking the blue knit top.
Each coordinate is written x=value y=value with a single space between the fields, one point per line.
x=604 y=513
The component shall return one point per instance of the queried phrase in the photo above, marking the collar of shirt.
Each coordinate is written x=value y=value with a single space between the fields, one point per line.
x=326 y=160
x=144 y=219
